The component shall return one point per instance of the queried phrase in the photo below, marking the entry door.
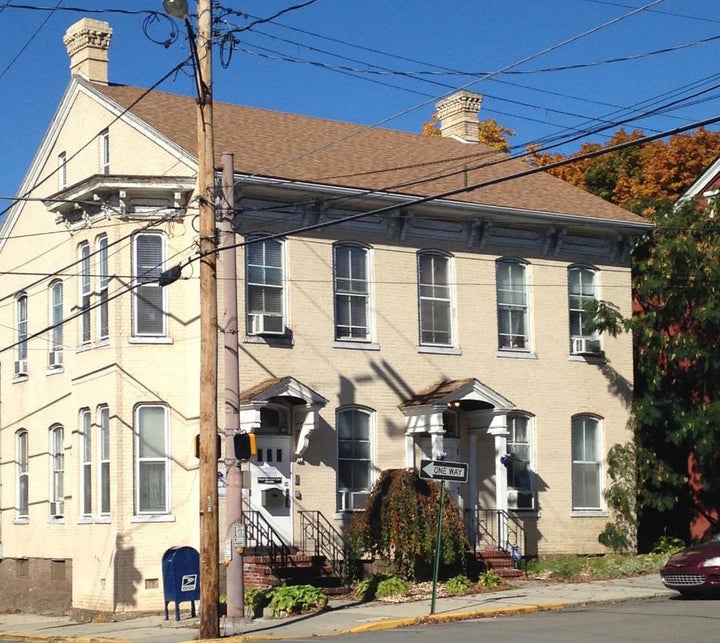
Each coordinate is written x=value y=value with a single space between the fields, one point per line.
x=270 y=488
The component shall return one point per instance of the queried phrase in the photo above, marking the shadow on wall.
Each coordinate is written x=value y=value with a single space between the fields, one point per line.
x=617 y=384
x=127 y=576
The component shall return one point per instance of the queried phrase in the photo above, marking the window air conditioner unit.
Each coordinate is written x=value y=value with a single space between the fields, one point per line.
x=55 y=358
x=57 y=509
x=519 y=499
x=353 y=500
x=265 y=325
x=20 y=367
x=585 y=346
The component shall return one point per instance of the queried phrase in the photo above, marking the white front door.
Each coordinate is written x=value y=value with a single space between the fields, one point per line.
x=270 y=488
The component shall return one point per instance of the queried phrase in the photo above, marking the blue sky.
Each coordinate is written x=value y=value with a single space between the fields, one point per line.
x=551 y=70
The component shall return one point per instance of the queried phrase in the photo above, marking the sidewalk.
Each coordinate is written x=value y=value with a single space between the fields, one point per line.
x=342 y=617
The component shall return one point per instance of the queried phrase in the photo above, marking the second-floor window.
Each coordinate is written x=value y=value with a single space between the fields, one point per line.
x=512 y=302
x=21 y=330
x=103 y=278
x=55 y=350
x=149 y=315
x=352 y=292
x=265 y=278
x=85 y=293
x=434 y=299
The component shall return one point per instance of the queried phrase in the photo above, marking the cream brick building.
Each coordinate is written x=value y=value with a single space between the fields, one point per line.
x=405 y=328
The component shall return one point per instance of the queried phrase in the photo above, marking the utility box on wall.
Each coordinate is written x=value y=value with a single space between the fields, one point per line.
x=181 y=578
x=273 y=497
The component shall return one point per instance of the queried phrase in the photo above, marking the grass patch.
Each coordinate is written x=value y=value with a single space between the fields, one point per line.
x=584 y=568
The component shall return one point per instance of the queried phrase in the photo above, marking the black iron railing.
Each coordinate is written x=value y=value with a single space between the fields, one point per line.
x=497 y=529
x=320 y=538
x=265 y=541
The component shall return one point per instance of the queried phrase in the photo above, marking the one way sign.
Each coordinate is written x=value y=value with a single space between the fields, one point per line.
x=443 y=470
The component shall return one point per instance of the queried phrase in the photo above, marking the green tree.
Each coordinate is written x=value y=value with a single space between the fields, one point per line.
x=676 y=327
x=399 y=525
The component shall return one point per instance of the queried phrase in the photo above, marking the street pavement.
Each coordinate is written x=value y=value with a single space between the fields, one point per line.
x=341 y=617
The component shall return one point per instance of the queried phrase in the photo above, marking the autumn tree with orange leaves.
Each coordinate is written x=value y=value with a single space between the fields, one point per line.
x=638 y=178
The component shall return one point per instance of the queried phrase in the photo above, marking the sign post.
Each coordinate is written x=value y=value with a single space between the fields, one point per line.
x=442 y=471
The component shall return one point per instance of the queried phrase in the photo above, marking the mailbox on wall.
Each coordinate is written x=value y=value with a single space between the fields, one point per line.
x=181 y=578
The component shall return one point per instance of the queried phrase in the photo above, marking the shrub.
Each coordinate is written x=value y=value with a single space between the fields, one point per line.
x=295 y=599
x=392 y=586
x=399 y=524
x=256 y=600
x=489 y=579
x=460 y=584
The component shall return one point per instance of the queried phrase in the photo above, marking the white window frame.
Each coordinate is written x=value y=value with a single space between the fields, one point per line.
x=56 y=314
x=351 y=292
x=85 y=294
x=434 y=298
x=22 y=474
x=62 y=171
x=104 y=481
x=86 y=458
x=148 y=295
x=580 y=292
x=586 y=464
x=21 y=328
x=513 y=303
x=352 y=497
x=520 y=423
x=145 y=458
x=57 y=469
x=103 y=276
x=262 y=287
x=105 y=152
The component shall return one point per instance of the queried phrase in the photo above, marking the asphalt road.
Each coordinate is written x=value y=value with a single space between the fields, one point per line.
x=656 y=620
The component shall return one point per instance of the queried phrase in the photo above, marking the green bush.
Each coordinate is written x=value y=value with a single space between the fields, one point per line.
x=460 y=584
x=256 y=600
x=489 y=579
x=392 y=586
x=296 y=599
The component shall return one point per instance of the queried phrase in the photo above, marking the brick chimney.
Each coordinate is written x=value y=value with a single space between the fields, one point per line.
x=458 y=116
x=87 y=43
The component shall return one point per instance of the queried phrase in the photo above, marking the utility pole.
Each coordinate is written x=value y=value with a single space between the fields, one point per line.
x=233 y=478
x=201 y=47
x=209 y=540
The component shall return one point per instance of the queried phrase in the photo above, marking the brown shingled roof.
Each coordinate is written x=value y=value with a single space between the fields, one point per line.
x=289 y=146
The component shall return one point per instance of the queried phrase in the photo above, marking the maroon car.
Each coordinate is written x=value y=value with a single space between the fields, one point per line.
x=695 y=570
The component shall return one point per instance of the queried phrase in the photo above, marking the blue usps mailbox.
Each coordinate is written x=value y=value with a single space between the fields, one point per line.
x=181 y=578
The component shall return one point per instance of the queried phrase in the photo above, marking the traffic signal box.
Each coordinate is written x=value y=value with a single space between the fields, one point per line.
x=244 y=444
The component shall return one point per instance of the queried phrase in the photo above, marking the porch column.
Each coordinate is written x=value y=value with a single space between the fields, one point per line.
x=472 y=488
x=498 y=429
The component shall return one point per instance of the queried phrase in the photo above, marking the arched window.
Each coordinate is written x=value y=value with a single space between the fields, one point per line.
x=149 y=314
x=103 y=277
x=55 y=349
x=85 y=293
x=152 y=462
x=21 y=330
x=57 y=472
x=22 y=474
x=354 y=440
x=586 y=463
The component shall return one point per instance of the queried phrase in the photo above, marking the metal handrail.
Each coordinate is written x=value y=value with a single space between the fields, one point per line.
x=500 y=530
x=265 y=539
x=321 y=537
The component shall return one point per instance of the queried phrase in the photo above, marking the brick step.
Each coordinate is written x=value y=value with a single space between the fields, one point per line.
x=500 y=562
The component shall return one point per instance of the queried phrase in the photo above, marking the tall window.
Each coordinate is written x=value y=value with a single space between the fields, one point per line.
x=85 y=293
x=352 y=292
x=86 y=439
x=104 y=459
x=582 y=291
x=22 y=474
x=62 y=170
x=152 y=459
x=105 y=152
x=21 y=329
x=586 y=463
x=354 y=457
x=148 y=261
x=55 y=350
x=512 y=301
x=103 y=283
x=264 y=273
x=519 y=473
x=435 y=304
x=57 y=471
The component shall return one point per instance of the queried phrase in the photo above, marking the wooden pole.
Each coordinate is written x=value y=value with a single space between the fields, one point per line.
x=209 y=541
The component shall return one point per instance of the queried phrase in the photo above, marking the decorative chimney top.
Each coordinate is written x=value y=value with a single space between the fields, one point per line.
x=87 y=43
x=458 y=116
